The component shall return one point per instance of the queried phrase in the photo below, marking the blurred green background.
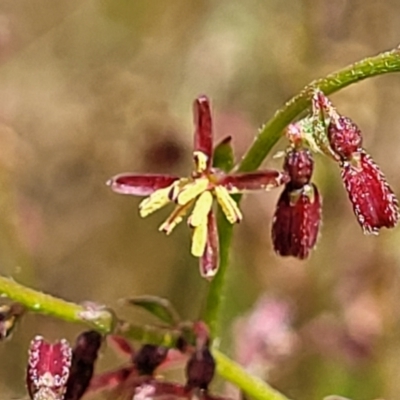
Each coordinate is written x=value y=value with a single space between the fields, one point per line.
x=93 y=88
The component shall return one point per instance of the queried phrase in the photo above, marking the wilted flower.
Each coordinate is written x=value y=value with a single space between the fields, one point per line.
x=374 y=202
x=9 y=316
x=297 y=217
x=197 y=192
x=48 y=369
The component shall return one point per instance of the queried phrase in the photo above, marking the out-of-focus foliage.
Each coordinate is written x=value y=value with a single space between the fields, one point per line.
x=93 y=88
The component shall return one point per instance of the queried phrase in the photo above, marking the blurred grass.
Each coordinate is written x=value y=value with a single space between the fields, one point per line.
x=93 y=88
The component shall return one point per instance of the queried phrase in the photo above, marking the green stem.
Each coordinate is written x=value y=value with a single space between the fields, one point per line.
x=104 y=322
x=48 y=305
x=233 y=372
x=216 y=291
x=270 y=134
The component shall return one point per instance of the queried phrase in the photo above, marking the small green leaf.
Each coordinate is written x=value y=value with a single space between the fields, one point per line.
x=159 y=307
x=223 y=155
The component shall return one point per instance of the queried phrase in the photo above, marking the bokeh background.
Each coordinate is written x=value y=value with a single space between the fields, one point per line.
x=91 y=88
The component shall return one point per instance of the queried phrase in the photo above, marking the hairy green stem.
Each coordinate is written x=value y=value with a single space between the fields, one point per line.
x=103 y=321
x=42 y=303
x=269 y=135
x=271 y=132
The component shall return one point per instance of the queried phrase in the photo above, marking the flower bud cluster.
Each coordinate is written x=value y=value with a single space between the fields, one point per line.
x=374 y=203
x=298 y=214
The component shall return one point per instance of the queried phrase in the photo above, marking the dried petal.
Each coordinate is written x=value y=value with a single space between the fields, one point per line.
x=148 y=358
x=140 y=185
x=260 y=180
x=296 y=222
x=299 y=164
x=201 y=209
x=203 y=138
x=374 y=203
x=84 y=356
x=48 y=369
x=344 y=137
x=154 y=202
x=228 y=205
x=210 y=258
x=175 y=218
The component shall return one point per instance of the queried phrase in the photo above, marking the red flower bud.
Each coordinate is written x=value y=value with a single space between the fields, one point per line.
x=48 y=369
x=374 y=202
x=299 y=165
x=148 y=358
x=344 y=137
x=84 y=356
x=296 y=221
x=200 y=369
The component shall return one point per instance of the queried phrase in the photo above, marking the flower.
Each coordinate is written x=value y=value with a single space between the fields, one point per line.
x=374 y=203
x=297 y=217
x=197 y=192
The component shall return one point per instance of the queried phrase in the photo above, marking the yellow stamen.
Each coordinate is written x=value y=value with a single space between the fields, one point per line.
x=199 y=240
x=191 y=190
x=201 y=209
x=174 y=219
x=200 y=161
x=228 y=205
x=155 y=201
x=177 y=187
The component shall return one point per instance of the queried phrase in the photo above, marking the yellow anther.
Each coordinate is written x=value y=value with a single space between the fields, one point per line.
x=174 y=219
x=155 y=201
x=199 y=240
x=177 y=187
x=191 y=190
x=201 y=209
x=200 y=161
x=228 y=205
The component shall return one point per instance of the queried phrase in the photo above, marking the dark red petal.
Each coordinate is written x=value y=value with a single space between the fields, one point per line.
x=344 y=137
x=84 y=356
x=296 y=221
x=48 y=367
x=259 y=180
x=140 y=185
x=209 y=261
x=299 y=164
x=374 y=202
x=111 y=379
x=203 y=137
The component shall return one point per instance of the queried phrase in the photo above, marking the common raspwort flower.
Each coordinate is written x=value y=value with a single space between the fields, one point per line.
x=374 y=203
x=197 y=192
x=297 y=217
x=48 y=369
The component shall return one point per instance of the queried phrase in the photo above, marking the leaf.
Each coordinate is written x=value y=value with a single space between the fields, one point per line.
x=223 y=155
x=159 y=307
